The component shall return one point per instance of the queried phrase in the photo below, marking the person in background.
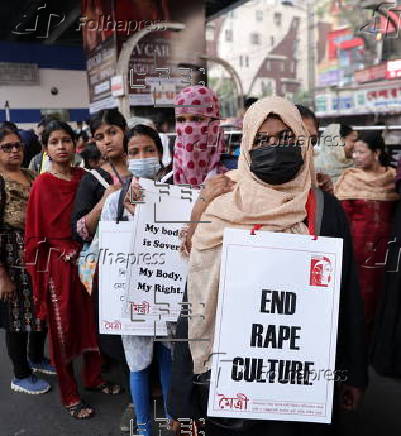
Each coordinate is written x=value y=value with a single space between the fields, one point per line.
x=145 y=152
x=311 y=123
x=386 y=342
x=82 y=140
x=107 y=129
x=25 y=334
x=59 y=296
x=312 y=126
x=368 y=196
x=32 y=146
x=29 y=139
x=162 y=127
x=277 y=196
x=40 y=163
x=335 y=150
x=91 y=156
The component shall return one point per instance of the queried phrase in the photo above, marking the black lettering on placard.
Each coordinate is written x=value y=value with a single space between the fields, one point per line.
x=280 y=302
x=151 y=228
x=271 y=370
x=235 y=375
x=274 y=336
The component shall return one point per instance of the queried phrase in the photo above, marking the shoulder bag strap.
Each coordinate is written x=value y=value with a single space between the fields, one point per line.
x=99 y=178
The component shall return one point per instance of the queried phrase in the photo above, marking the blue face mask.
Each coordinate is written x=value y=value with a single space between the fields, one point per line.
x=146 y=168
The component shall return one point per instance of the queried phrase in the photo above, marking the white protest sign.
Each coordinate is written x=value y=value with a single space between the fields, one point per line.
x=156 y=291
x=279 y=298
x=115 y=316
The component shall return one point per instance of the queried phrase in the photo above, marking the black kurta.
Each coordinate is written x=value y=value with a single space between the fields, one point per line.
x=90 y=192
x=185 y=397
x=386 y=343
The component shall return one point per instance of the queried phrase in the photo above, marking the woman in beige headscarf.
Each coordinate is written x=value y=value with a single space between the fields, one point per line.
x=334 y=154
x=273 y=190
x=368 y=196
x=246 y=205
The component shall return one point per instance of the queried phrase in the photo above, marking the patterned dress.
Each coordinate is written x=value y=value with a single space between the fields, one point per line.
x=16 y=314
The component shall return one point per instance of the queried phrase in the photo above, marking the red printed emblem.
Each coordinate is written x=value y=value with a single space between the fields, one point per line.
x=320 y=271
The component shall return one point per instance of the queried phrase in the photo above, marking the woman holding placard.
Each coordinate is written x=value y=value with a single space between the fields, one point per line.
x=145 y=152
x=275 y=190
x=368 y=196
x=192 y=164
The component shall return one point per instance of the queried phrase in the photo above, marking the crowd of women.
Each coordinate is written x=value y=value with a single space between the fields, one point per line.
x=285 y=173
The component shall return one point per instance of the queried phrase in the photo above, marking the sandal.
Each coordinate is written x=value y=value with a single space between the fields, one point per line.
x=76 y=410
x=107 y=388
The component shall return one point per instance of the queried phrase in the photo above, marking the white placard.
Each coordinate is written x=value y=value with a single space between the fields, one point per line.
x=160 y=286
x=115 y=313
x=278 y=297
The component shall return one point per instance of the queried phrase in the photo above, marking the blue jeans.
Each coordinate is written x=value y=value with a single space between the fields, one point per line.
x=140 y=391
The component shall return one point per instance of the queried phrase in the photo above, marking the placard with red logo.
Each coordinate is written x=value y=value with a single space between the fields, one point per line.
x=279 y=299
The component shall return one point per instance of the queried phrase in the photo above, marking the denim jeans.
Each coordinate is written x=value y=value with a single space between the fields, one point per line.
x=140 y=390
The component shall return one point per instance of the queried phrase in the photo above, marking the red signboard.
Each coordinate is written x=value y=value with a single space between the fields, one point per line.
x=376 y=72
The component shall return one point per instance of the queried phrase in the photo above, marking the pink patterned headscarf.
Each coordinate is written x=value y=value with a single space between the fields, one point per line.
x=198 y=144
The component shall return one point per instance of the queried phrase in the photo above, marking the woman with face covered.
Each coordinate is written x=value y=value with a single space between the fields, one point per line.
x=368 y=196
x=200 y=141
x=274 y=189
x=198 y=147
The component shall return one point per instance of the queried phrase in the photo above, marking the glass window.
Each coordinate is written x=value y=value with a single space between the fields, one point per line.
x=259 y=15
x=209 y=33
x=229 y=35
x=255 y=38
x=277 y=19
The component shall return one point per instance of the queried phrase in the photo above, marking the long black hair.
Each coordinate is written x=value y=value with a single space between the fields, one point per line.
x=142 y=129
x=345 y=130
x=308 y=114
x=90 y=152
x=57 y=125
x=111 y=117
x=375 y=142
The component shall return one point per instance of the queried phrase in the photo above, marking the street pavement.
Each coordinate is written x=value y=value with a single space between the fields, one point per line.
x=43 y=415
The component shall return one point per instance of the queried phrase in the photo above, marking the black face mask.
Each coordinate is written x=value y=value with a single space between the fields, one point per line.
x=276 y=165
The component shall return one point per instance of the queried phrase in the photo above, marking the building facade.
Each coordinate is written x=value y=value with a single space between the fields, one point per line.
x=265 y=42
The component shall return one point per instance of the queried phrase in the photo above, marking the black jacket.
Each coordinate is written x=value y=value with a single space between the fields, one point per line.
x=184 y=399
